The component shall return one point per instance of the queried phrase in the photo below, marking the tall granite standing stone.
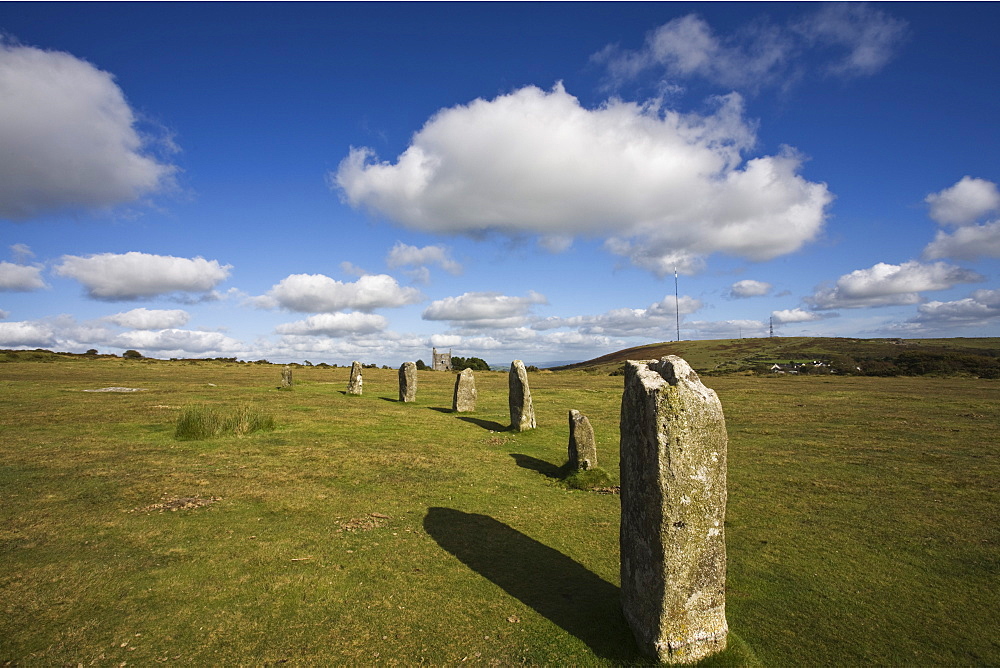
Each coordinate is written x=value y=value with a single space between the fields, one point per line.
x=286 y=376
x=408 y=382
x=673 y=496
x=354 y=384
x=522 y=413
x=464 y=400
x=582 y=446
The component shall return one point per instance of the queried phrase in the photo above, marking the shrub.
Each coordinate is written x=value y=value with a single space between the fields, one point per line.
x=595 y=478
x=132 y=355
x=200 y=422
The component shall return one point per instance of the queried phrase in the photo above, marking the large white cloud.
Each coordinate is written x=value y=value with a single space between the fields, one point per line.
x=965 y=202
x=749 y=288
x=966 y=243
x=133 y=275
x=889 y=284
x=961 y=206
x=661 y=184
x=32 y=334
x=335 y=324
x=484 y=309
x=20 y=277
x=317 y=293
x=69 y=137
x=793 y=315
x=179 y=341
x=983 y=305
x=658 y=320
x=143 y=318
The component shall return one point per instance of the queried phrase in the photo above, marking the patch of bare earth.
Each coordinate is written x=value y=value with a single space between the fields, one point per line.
x=372 y=521
x=181 y=503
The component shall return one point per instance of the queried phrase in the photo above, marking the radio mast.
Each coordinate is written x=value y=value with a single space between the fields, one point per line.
x=677 y=305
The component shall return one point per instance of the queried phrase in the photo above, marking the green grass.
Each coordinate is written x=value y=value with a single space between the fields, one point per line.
x=862 y=521
x=201 y=422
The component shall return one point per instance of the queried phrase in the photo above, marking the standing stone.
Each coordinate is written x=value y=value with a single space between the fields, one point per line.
x=408 y=382
x=673 y=496
x=465 y=392
x=286 y=376
x=354 y=384
x=582 y=446
x=522 y=413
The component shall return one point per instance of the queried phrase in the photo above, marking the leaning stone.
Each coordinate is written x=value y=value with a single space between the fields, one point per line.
x=673 y=496
x=522 y=413
x=464 y=400
x=286 y=376
x=408 y=382
x=582 y=446
x=354 y=384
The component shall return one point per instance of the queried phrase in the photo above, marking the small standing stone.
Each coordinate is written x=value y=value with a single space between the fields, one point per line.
x=465 y=392
x=286 y=376
x=673 y=497
x=582 y=446
x=354 y=384
x=522 y=413
x=408 y=382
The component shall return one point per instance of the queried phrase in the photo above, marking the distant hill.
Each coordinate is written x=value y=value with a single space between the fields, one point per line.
x=720 y=356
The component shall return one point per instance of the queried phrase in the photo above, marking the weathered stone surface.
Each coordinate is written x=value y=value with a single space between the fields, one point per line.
x=464 y=400
x=522 y=413
x=408 y=382
x=673 y=496
x=286 y=376
x=582 y=446
x=355 y=383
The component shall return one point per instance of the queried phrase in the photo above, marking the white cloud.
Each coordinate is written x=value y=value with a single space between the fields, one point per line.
x=890 y=284
x=965 y=202
x=316 y=293
x=983 y=305
x=869 y=37
x=961 y=206
x=728 y=328
x=335 y=324
x=484 y=309
x=133 y=275
x=662 y=185
x=966 y=243
x=403 y=255
x=792 y=315
x=69 y=136
x=656 y=321
x=31 y=334
x=142 y=318
x=20 y=278
x=22 y=252
x=749 y=288
x=178 y=342
x=759 y=54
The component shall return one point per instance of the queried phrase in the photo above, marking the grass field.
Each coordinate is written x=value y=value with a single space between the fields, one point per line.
x=863 y=522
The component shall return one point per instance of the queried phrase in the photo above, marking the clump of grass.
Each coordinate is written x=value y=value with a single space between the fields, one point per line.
x=595 y=478
x=201 y=422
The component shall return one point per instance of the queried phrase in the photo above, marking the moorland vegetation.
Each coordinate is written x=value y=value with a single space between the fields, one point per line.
x=863 y=523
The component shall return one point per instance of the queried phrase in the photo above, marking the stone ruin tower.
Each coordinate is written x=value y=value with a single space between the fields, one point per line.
x=440 y=361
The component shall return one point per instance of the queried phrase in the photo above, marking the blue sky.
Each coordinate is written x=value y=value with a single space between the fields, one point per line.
x=338 y=182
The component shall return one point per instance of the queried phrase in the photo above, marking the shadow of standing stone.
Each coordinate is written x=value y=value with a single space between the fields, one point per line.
x=673 y=496
x=522 y=413
x=546 y=580
x=355 y=383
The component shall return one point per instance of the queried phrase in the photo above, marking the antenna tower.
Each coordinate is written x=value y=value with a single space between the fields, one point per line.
x=677 y=305
x=771 y=323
